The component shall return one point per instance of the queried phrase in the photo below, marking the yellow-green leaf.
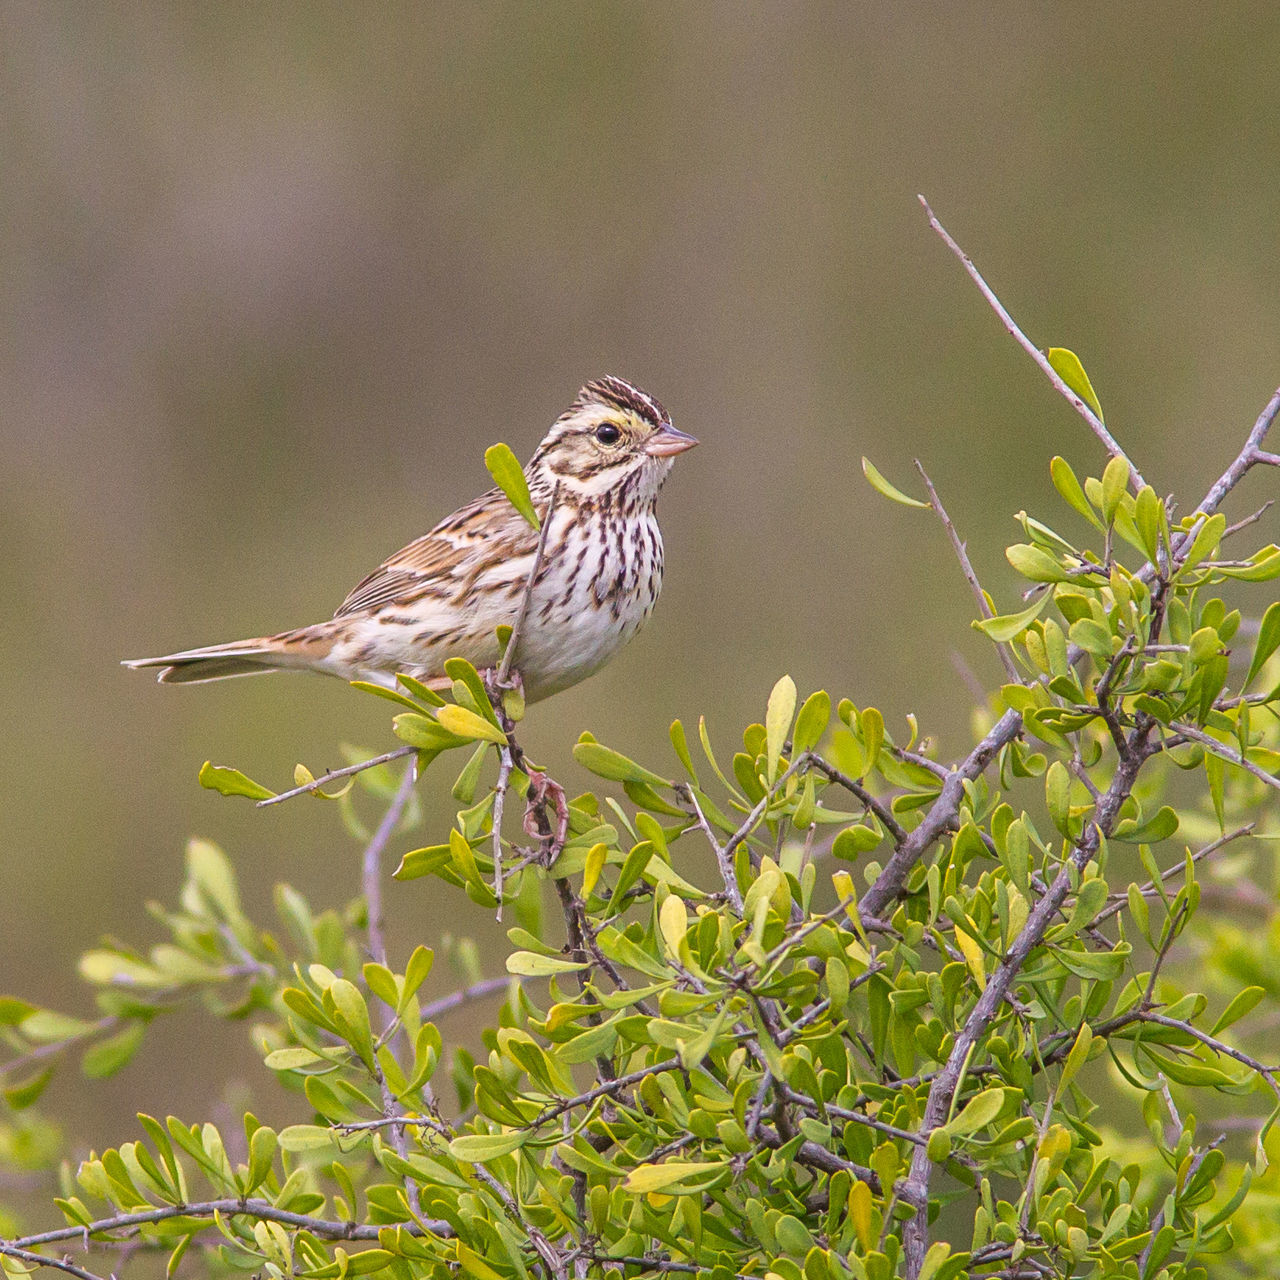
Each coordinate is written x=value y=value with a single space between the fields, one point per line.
x=231 y=782
x=777 y=720
x=882 y=486
x=1066 y=364
x=508 y=474
x=467 y=724
x=1004 y=627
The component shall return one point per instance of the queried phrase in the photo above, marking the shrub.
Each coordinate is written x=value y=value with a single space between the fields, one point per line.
x=824 y=1008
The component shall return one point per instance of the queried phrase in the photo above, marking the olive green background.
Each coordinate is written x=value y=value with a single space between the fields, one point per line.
x=275 y=275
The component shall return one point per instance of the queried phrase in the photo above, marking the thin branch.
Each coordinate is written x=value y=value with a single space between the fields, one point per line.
x=1249 y=519
x=263 y=1210
x=371 y=863
x=942 y=1091
x=39 y=1260
x=398 y=754
x=1251 y=454
x=798 y=765
x=941 y=817
x=508 y=657
x=1149 y=888
x=727 y=873
x=602 y=1090
x=895 y=829
x=505 y=763
x=1191 y=734
x=1218 y=1046
x=966 y=567
x=476 y=991
x=1091 y=419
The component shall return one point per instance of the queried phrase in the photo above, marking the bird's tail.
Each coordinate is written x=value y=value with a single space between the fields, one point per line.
x=306 y=648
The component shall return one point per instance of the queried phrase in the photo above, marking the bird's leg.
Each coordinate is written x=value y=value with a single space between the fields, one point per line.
x=544 y=790
x=497 y=687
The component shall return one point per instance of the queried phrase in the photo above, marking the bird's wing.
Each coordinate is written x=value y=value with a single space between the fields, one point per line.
x=484 y=534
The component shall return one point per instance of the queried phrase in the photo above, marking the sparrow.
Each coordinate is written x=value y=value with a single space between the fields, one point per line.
x=445 y=594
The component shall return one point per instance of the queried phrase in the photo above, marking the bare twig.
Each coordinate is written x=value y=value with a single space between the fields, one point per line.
x=723 y=861
x=1150 y=887
x=896 y=830
x=509 y=656
x=398 y=754
x=1249 y=519
x=1191 y=734
x=505 y=762
x=1091 y=419
x=1250 y=455
x=966 y=567
x=797 y=766
x=263 y=1210
x=941 y=817
x=942 y=1090
x=39 y=1260
x=456 y=999
x=371 y=864
x=1268 y=1074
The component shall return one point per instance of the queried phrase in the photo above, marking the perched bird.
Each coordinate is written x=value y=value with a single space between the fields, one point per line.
x=444 y=595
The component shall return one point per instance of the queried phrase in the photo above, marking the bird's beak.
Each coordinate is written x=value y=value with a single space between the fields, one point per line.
x=666 y=442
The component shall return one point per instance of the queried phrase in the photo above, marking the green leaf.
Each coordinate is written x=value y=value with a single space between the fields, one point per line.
x=1268 y=641
x=812 y=722
x=666 y=1176
x=528 y=964
x=293 y=1058
x=1078 y=1056
x=420 y=690
x=262 y=1152
x=1206 y=541
x=882 y=486
x=1115 y=480
x=231 y=782
x=1264 y=565
x=307 y=1137
x=1035 y=563
x=467 y=724
x=47 y=1027
x=680 y=745
x=475 y=1148
x=1092 y=637
x=605 y=762
x=1057 y=789
x=22 y=1095
x=1004 y=627
x=424 y=733
x=353 y=1015
x=108 y=1056
x=391 y=695
x=777 y=721
x=978 y=1112
x=416 y=971
x=1241 y=1003
x=1160 y=826
x=508 y=474
x=1066 y=364
x=1064 y=480
x=13 y=1010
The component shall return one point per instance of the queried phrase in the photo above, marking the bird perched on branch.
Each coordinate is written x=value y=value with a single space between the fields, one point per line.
x=445 y=594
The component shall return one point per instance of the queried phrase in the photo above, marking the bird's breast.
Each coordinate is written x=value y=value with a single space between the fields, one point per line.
x=599 y=580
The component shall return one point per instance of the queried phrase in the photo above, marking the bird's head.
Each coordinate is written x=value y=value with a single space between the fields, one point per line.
x=613 y=438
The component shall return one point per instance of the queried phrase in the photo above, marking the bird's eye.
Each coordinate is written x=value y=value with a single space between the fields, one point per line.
x=607 y=433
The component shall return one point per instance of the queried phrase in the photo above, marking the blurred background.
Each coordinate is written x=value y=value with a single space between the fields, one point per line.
x=274 y=276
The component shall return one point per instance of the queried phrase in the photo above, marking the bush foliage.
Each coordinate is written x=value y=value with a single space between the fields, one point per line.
x=822 y=1008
